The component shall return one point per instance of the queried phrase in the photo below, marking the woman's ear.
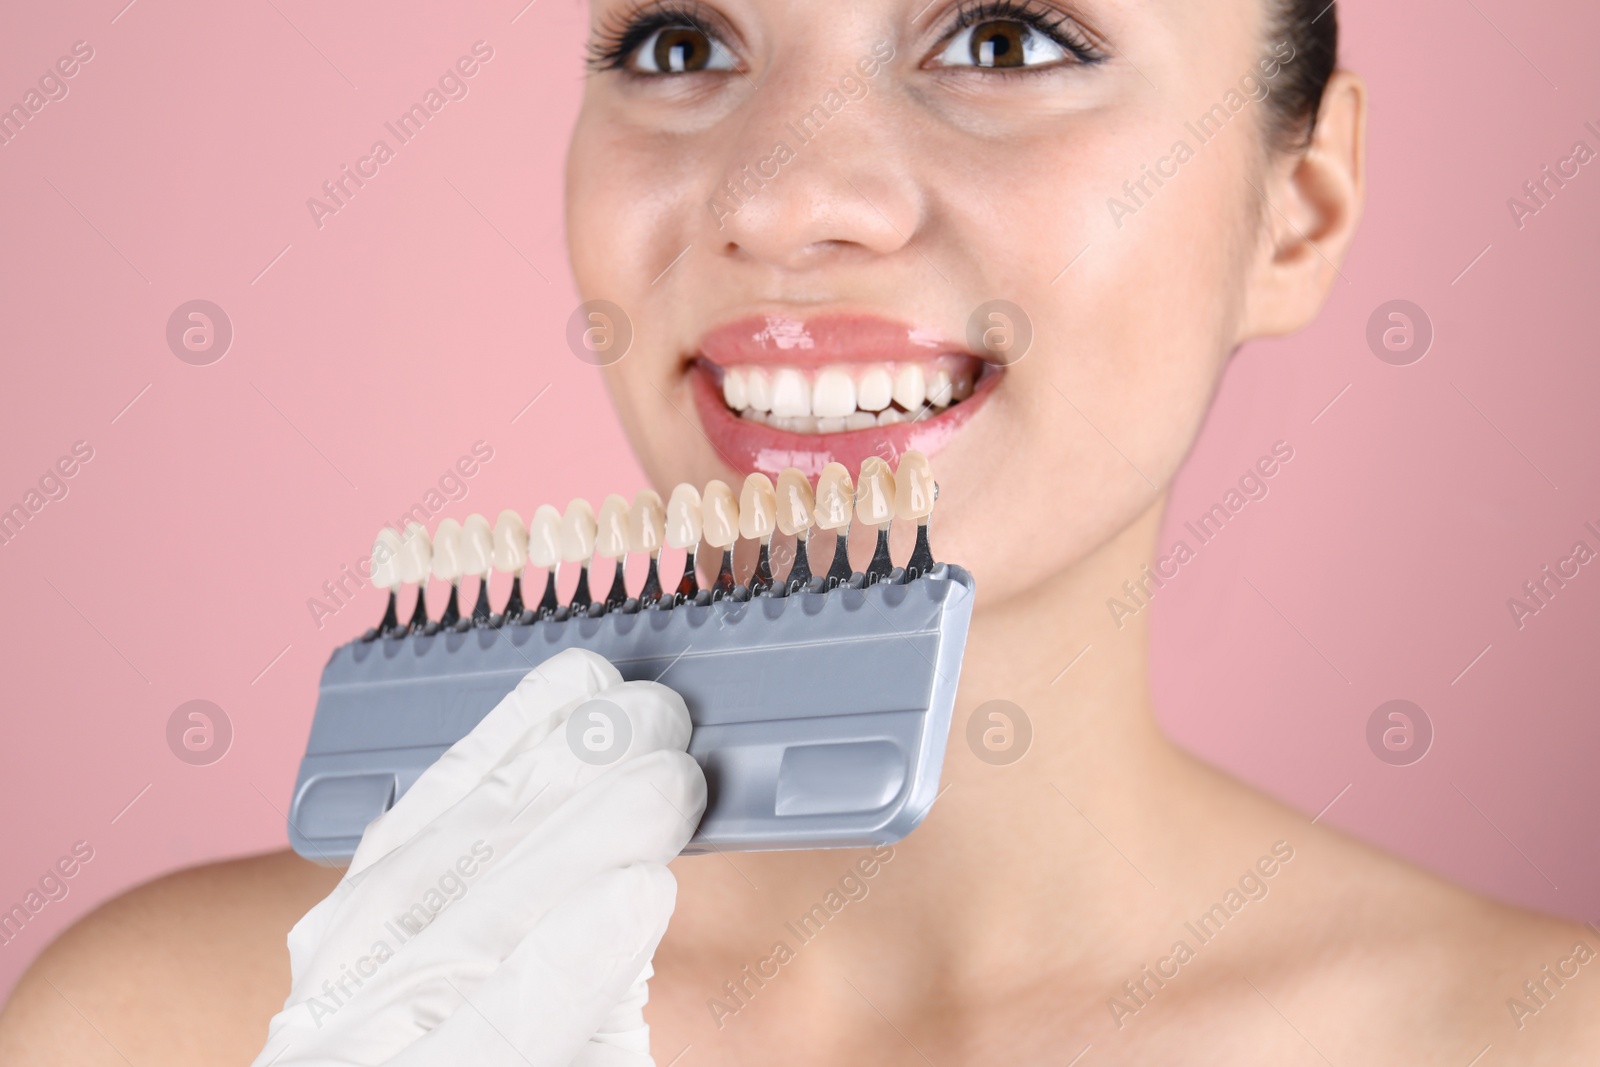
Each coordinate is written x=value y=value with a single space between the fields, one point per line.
x=1315 y=201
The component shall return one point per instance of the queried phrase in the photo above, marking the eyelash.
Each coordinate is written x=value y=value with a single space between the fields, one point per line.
x=620 y=36
x=1041 y=18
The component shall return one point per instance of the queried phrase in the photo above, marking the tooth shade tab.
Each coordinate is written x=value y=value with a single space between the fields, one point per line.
x=719 y=513
x=446 y=560
x=385 y=559
x=611 y=538
x=914 y=488
x=477 y=545
x=758 y=508
x=835 y=497
x=796 y=502
x=791 y=393
x=544 y=537
x=647 y=522
x=510 y=543
x=578 y=528
x=416 y=555
x=833 y=394
x=875 y=492
x=684 y=518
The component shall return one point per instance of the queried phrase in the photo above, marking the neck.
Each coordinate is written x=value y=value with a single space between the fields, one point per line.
x=1078 y=830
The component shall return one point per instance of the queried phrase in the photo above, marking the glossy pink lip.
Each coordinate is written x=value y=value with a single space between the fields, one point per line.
x=785 y=340
x=752 y=446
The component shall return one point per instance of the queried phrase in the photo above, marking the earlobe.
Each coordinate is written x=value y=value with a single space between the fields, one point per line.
x=1314 y=199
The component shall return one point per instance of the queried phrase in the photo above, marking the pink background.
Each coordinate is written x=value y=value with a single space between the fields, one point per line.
x=427 y=314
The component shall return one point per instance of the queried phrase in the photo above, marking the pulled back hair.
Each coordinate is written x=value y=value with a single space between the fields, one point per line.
x=1312 y=28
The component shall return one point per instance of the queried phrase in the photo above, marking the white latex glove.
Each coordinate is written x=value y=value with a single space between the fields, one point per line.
x=535 y=882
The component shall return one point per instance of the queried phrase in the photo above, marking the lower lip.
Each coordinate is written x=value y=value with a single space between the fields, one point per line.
x=753 y=446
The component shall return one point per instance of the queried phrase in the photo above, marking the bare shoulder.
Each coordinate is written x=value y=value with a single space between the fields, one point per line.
x=185 y=969
x=1390 y=956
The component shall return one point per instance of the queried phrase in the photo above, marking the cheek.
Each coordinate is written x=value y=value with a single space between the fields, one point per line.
x=1129 y=343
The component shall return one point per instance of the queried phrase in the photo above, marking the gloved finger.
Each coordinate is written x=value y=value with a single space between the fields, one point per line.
x=540 y=702
x=422 y=877
x=642 y=812
x=529 y=713
x=541 y=1005
x=623 y=1038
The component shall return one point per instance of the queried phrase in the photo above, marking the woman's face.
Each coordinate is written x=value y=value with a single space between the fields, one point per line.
x=821 y=199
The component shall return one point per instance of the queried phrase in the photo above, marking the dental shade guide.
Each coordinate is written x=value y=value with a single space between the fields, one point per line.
x=794 y=758
x=875 y=507
x=612 y=541
x=413 y=564
x=446 y=566
x=477 y=548
x=685 y=523
x=796 y=505
x=719 y=521
x=510 y=557
x=578 y=529
x=386 y=575
x=835 y=495
x=758 y=509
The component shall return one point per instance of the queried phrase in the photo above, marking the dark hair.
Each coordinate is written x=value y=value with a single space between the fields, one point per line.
x=1312 y=28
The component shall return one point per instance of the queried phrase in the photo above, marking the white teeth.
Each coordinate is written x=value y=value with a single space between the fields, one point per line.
x=875 y=390
x=833 y=394
x=611 y=540
x=910 y=388
x=647 y=522
x=477 y=545
x=385 y=566
x=733 y=389
x=510 y=543
x=758 y=507
x=683 y=518
x=758 y=389
x=790 y=394
x=875 y=492
x=913 y=487
x=719 y=515
x=795 y=502
x=835 y=496
x=577 y=532
x=447 y=550
x=544 y=537
x=844 y=398
x=793 y=423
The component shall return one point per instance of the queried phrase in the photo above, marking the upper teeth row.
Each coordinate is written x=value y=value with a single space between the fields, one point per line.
x=835 y=392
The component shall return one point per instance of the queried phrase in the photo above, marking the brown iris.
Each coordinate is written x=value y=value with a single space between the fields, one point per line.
x=682 y=48
x=998 y=43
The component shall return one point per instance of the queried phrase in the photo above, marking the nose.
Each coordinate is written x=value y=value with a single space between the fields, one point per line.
x=815 y=176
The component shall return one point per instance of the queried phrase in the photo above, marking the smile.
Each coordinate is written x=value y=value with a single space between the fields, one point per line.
x=775 y=392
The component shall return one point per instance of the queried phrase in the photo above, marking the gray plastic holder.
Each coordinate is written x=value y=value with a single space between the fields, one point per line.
x=820 y=719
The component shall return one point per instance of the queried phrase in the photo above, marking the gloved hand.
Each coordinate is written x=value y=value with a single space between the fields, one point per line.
x=505 y=910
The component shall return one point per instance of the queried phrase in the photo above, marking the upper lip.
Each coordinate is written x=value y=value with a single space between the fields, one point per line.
x=789 y=340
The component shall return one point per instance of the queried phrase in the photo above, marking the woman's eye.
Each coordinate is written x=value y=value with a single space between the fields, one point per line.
x=1001 y=43
x=681 y=50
